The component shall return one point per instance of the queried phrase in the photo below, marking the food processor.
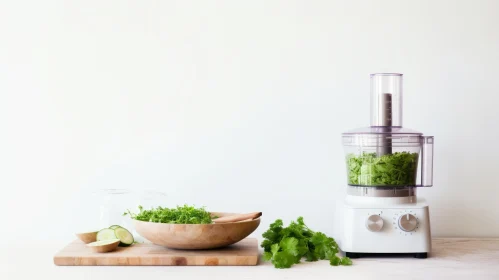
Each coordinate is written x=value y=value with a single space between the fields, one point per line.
x=386 y=163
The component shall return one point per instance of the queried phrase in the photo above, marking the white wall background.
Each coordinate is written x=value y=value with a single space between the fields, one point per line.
x=237 y=105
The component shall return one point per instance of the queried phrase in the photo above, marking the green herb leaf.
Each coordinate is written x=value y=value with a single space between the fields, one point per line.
x=290 y=245
x=335 y=261
x=346 y=261
x=283 y=260
x=274 y=249
x=285 y=246
x=180 y=215
x=311 y=256
x=267 y=256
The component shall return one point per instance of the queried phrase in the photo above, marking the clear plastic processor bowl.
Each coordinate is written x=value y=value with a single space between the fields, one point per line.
x=376 y=157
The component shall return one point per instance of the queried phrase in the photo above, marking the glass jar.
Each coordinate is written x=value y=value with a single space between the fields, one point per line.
x=112 y=204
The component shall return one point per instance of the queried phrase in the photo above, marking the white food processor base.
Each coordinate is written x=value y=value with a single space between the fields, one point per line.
x=383 y=225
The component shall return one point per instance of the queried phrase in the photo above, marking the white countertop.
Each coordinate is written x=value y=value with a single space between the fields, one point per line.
x=452 y=258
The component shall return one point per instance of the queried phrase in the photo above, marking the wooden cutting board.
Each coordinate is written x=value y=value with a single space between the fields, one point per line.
x=77 y=253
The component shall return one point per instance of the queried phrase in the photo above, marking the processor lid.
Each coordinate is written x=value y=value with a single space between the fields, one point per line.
x=376 y=136
x=384 y=130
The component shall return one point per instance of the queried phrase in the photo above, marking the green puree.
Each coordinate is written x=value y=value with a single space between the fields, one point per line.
x=397 y=169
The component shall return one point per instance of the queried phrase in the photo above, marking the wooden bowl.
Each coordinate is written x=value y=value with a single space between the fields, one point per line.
x=197 y=236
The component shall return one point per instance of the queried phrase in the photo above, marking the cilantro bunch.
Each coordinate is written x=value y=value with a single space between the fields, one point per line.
x=397 y=169
x=181 y=215
x=285 y=246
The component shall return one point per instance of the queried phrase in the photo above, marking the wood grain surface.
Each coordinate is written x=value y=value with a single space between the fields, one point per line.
x=243 y=253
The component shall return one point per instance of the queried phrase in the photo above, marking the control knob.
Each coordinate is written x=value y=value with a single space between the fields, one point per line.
x=408 y=222
x=374 y=223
